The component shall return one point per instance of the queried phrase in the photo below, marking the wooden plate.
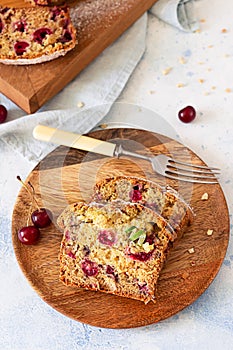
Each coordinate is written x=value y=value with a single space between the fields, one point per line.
x=98 y=22
x=67 y=175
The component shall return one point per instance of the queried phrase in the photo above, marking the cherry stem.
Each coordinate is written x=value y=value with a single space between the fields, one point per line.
x=31 y=191
x=34 y=196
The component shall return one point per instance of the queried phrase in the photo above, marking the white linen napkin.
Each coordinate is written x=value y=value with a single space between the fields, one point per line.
x=98 y=85
x=178 y=13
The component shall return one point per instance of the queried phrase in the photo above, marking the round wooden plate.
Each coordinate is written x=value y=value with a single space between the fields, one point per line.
x=68 y=175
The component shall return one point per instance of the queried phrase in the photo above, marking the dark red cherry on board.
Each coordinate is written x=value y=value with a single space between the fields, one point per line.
x=29 y=235
x=41 y=217
x=3 y=113
x=187 y=114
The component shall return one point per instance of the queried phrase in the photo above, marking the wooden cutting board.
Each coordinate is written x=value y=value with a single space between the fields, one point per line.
x=98 y=23
x=68 y=175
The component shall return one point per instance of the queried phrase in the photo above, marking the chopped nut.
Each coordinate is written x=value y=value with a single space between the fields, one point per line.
x=202 y=20
x=224 y=30
x=213 y=87
x=103 y=126
x=209 y=232
x=152 y=92
x=206 y=93
x=80 y=104
x=201 y=81
x=191 y=250
x=182 y=60
x=148 y=247
x=205 y=196
x=180 y=85
x=167 y=70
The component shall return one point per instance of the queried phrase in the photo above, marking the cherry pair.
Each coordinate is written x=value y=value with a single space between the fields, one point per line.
x=41 y=218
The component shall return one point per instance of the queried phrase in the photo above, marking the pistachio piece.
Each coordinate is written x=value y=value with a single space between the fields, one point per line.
x=136 y=235
x=130 y=229
x=141 y=239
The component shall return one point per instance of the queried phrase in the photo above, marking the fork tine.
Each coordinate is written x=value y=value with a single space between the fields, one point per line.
x=191 y=175
x=199 y=180
x=192 y=170
x=174 y=161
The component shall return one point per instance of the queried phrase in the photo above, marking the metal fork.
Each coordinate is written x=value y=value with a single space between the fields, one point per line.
x=175 y=169
x=161 y=164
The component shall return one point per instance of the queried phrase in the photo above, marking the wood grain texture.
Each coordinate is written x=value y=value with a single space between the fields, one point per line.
x=31 y=86
x=68 y=175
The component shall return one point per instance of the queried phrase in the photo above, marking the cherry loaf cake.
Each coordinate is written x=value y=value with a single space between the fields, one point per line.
x=165 y=201
x=117 y=248
x=35 y=35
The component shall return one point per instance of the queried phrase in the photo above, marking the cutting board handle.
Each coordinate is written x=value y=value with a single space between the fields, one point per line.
x=73 y=140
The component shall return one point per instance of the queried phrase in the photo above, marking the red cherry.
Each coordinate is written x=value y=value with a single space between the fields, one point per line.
x=90 y=268
x=187 y=114
x=29 y=235
x=41 y=217
x=3 y=113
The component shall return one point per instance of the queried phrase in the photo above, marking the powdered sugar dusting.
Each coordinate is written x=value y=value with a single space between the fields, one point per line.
x=89 y=17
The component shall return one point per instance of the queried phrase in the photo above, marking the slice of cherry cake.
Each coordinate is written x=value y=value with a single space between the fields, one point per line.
x=35 y=35
x=164 y=200
x=117 y=248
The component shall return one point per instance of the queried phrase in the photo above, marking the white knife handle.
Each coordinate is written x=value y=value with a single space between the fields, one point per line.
x=69 y=139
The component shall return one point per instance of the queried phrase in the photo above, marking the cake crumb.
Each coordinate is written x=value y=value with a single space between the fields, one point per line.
x=210 y=46
x=103 y=126
x=191 y=250
x=224 y=30
x=209 y=232
x=202 y=20
x=180 y=85
x=227 y=90
x=205 y=196
x=198 y=31
x=80 y=104
x=201 y=81
x=152 y=92
x=213 y=87
x=167 y=71
x=206 y=93
x=192 y=263
x=182 y=60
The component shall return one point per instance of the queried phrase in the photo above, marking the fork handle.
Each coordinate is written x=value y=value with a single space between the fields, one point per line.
x=69 y=139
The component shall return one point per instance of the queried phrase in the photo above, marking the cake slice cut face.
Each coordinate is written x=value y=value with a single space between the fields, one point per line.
x=163 y=200
x=35 y=35
x=117 y=248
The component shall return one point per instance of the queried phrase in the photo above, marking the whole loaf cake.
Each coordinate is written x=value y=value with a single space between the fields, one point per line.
x=117 y=248
x=35 y=35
